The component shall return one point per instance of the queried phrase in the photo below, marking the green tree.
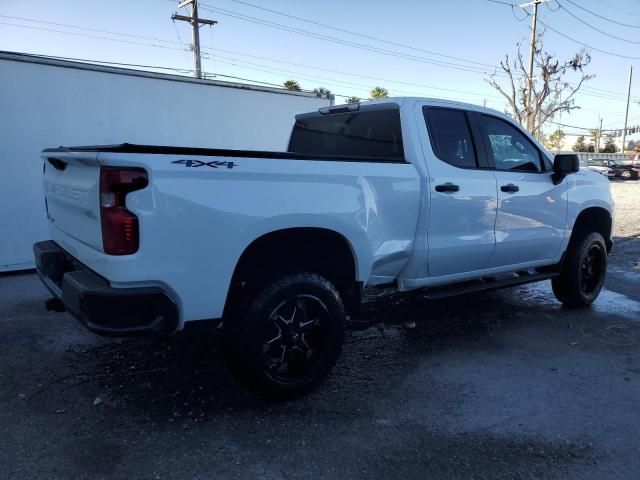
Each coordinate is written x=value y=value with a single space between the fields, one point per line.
x=579 y=146
x=292 y=85
x=379 y=92
x=321 y=91
x=555 y=140
x=353 y=100
x=609 y=144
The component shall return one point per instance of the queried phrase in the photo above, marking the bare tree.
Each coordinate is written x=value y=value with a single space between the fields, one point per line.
x=551 y=92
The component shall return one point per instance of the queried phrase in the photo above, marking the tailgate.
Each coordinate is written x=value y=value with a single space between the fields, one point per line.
x=72 y=190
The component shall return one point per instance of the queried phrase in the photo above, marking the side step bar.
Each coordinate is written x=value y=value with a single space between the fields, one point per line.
x=485 y=284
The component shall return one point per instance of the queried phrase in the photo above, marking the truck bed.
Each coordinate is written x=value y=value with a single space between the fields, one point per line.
x=216 y=152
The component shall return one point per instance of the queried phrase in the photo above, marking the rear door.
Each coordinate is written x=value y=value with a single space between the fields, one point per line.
x=72 y=188
x=532 y=211
x=462 y=192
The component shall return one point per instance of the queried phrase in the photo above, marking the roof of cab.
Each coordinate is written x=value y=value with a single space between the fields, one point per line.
x=404 y=101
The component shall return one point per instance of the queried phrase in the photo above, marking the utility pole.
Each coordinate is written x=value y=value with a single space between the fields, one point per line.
x=195 y=25
x=532 y=45
x=599 y=134
x=626 y=114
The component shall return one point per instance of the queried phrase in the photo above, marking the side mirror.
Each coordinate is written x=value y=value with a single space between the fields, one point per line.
x=563 y=165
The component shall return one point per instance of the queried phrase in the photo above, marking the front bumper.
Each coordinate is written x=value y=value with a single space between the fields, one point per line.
x=114 y=312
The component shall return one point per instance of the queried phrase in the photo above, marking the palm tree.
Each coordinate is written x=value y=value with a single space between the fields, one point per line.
x=292 y=85
x=353 y=100
x=379 y=92
x=321 y=91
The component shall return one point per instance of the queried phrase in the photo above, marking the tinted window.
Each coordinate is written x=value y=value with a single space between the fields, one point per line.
x=369 y=134
x=509 y=149
x=451 y=137
x=594 y=163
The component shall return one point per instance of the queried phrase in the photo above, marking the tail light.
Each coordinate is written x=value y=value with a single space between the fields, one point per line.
x=120 y=233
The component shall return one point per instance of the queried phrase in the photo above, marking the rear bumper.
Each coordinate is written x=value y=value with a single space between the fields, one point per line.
x=108 y=311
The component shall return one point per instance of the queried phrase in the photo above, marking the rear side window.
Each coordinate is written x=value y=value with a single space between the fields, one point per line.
x=368 y=134
x=451 y=136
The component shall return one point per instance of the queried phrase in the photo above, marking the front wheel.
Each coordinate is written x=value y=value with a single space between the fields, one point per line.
x=626 y=174
x=583 y=272
x=290 y=336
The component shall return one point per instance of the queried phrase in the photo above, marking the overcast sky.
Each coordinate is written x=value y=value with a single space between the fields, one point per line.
x=453 y=42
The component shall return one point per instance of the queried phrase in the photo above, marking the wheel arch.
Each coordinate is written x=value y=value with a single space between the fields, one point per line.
x=594 y=219
x=318 y=249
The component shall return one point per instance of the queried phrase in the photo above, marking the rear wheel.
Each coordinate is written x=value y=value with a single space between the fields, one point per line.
x=626 y=174
x=583 y=271
x=290 y=336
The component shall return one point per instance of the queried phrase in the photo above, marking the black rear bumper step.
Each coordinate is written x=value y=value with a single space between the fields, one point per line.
x=108 y=311
x=485 y=284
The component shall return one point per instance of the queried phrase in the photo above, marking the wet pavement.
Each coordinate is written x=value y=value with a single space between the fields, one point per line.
x=497 y=385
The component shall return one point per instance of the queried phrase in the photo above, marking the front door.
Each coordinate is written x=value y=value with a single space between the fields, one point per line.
x=532 y=211
x=463 y=196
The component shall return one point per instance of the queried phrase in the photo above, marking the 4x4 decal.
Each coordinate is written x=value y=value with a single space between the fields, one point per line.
x=200 y=163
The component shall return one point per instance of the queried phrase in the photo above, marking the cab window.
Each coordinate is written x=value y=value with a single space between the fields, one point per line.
x=450 y=136
x=507 y=147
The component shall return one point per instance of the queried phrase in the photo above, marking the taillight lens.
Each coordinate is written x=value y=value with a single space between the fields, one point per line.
x=120 y=233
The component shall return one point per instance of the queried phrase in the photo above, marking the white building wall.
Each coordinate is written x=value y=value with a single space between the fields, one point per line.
x=52 y=103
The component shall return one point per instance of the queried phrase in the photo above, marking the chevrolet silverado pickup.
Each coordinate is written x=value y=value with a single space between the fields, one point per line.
x=414 y=193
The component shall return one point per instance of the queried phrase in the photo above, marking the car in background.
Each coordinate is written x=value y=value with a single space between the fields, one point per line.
x=602 y=170
x=626 y=172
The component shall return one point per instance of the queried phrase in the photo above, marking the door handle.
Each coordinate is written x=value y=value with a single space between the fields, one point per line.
x=447 y=187
x=511 y=188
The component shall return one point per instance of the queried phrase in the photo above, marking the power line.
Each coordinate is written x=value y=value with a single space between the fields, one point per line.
x=156 y=67
x=86 y=35
x=605 y=93
x=596 y=92
x=595 y=28
x=77 y=27
x=601 y=17
x=279 y=26
x=579 y=128
x=359 y=75
x=587 y=45
x=236 y=15
x=626 y=12
x=570 y=38
x=351 y=32
x=205 y=48
x=329 y=81
x=275 y=25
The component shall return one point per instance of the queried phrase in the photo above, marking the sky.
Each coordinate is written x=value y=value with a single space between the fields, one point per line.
x=429 y=48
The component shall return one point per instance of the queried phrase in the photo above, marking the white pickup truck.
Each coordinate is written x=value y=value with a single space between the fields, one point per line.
x=416 y=193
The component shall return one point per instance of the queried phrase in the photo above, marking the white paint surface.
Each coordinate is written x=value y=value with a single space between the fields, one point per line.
x=46 y=105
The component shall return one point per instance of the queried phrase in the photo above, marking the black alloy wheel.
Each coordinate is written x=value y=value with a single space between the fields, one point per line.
x=295 y=338
x=592 y=269
x=288 y=336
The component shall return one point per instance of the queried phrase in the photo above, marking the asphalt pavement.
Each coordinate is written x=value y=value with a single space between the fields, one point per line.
x=496 y=385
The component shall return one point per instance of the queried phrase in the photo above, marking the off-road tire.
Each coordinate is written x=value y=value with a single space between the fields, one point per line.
x=583 y=271
x=245 y=336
